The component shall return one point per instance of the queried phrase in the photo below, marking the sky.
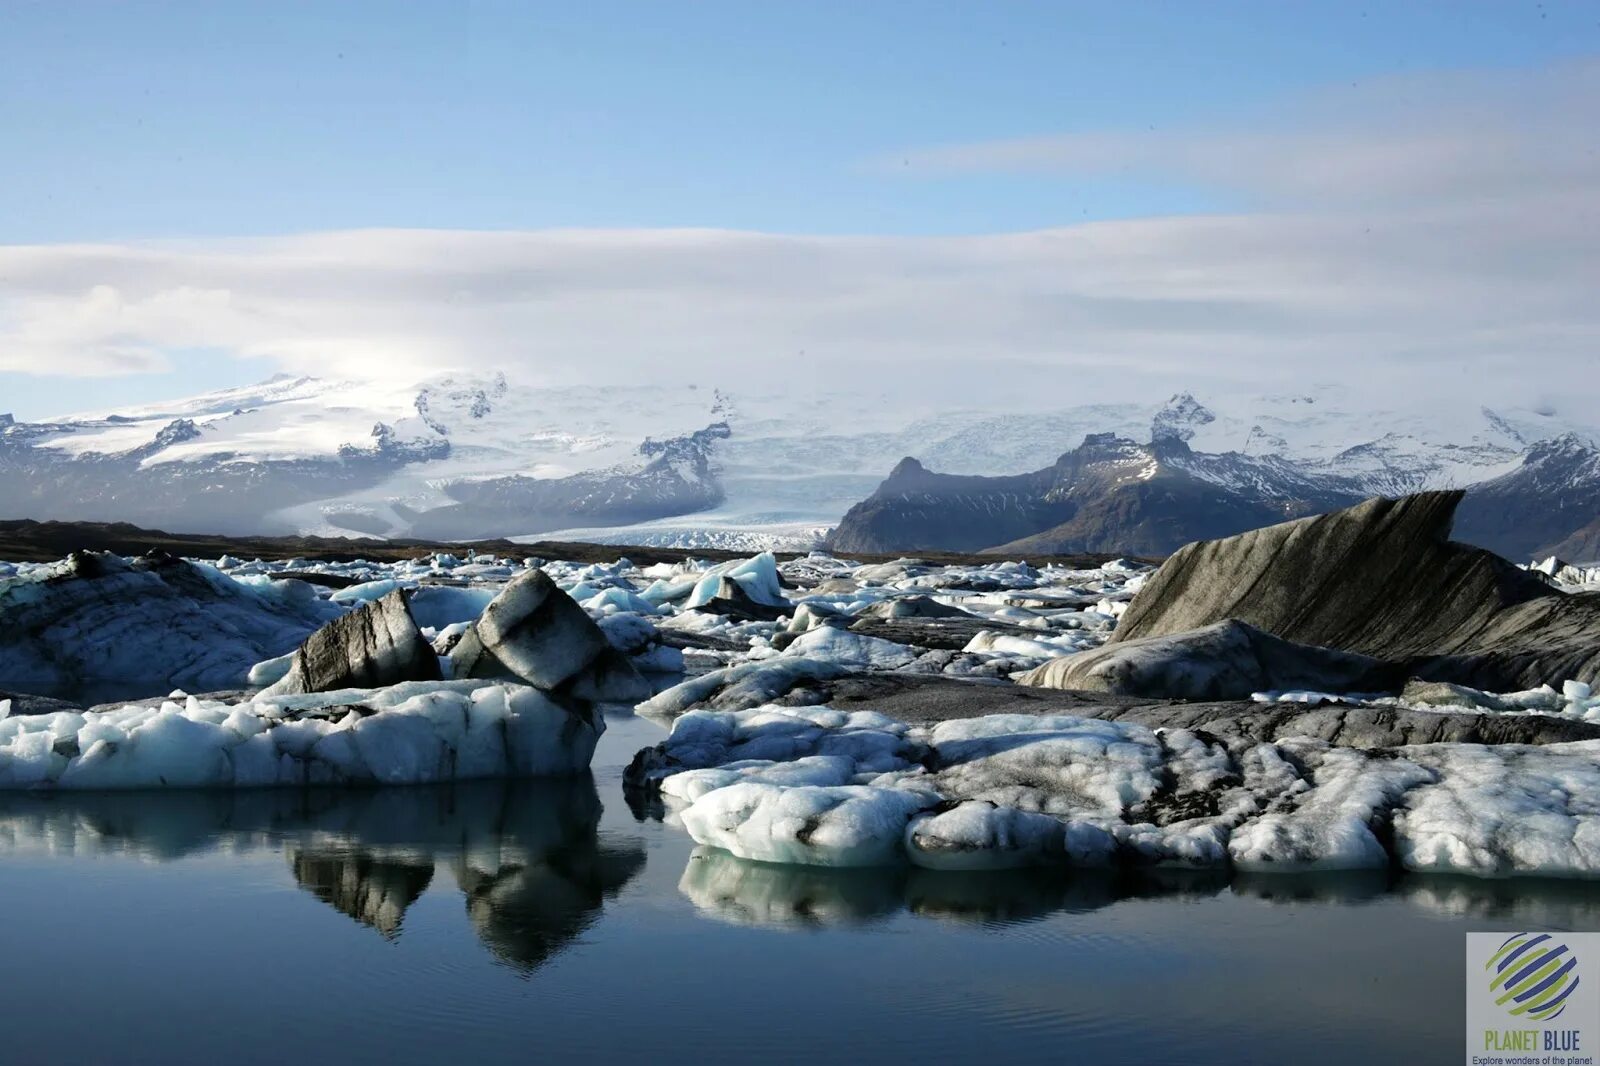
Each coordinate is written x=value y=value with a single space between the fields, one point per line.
x=1090 y=197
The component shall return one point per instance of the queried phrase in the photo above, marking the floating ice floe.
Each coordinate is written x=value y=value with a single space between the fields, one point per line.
x=732 y=611
x=827 y=644
x=742 y=684
x=823 y=786
x=819 y=825
x=758 y=577
x=1575 y=699
x=980 y=835
x=374 y=645
x=365 y=592
x=438 y=607
x=1027 y=647
x=1567 y=576
x=407 y=734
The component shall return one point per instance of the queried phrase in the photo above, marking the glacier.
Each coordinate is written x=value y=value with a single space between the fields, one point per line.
x=455 y=455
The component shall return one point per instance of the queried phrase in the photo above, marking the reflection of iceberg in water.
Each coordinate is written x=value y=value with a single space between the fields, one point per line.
x=526 y=854
x=737 y=890
x=371 y=891
x=759 y=893
x=527 y=911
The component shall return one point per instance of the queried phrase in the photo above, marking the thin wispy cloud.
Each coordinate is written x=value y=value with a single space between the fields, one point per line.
x=1411 y=139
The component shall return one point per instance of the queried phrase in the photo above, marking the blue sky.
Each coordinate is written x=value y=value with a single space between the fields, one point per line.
x=131 y=122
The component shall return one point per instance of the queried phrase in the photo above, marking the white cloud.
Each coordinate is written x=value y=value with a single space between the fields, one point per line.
x=1421 y=235
x=1412 y=140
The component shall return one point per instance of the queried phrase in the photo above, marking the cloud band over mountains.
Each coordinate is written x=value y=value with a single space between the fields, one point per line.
x=1439 y=232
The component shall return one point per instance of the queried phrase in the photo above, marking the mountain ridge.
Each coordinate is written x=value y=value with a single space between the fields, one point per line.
x=479 y=455
x=1115 y=494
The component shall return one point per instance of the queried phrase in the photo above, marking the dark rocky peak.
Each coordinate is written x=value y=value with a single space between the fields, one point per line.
x=1179 y=418
x=1381 y=446
x=1260 y=439
x=424 y=406
x=1568 y=464
x=386 y=445
x=1567 y=448
x=449 y=399
x=1174 y=449
x=1102 y=459
x=909 y=467
x=694 y=446
x=6 y=420
x=910 y=476
x=176 y=432
x=1101 y=448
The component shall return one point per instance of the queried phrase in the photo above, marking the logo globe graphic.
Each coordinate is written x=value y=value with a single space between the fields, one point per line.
x=1532 y=976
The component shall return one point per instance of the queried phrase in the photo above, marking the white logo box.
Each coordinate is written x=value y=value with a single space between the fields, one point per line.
x=1533 y=999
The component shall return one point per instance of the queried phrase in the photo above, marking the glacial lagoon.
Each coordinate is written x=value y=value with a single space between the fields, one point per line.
x=546 y=921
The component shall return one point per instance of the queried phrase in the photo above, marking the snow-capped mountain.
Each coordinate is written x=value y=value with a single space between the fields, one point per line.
x=1548 y=504
x=1118 y=494
x=1110 y=493
x=447 y=458
x=458 y=457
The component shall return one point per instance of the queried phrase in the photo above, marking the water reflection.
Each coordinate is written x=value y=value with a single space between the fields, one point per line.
x=527 y=857
x=752 y=893
x=371 y=891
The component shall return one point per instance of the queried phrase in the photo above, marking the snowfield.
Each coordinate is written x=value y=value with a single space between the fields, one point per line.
x=782 y=478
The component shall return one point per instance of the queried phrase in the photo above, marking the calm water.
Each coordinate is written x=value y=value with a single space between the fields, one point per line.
x=544 y=922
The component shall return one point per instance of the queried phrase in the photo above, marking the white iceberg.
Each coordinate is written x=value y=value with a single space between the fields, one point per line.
x=758 y=577
x=415 y=733
x=1016 y=790
x=830 y=644
x=818 y=826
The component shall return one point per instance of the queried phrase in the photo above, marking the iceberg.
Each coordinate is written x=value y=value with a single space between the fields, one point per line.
x=829 y=786
x=828 y=644
x=415 y=733
x=758 y=577
x=810 y=824
x=153 y=623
